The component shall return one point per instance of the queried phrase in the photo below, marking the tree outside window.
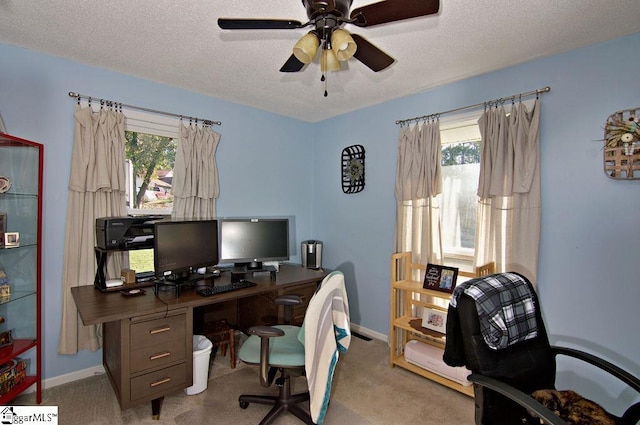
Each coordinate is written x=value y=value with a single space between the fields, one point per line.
x=460 y=173
x=150 y=172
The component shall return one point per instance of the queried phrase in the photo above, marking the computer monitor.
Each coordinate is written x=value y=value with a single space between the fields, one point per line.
x=180 y=247
x=248 y=242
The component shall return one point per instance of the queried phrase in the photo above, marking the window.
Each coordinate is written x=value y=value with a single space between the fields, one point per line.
x=141 y=260
x=443 y=228
x=459 y=201
x=150 y=151
x=460 y=139
x=150 y=160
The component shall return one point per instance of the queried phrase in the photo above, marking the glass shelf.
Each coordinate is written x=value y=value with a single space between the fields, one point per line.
x=22 y=245
x=13 y=195
x=15 y=296
x=22 y=161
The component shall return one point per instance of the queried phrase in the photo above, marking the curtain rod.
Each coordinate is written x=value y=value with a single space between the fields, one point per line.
x=138 y=108
x=477 y=105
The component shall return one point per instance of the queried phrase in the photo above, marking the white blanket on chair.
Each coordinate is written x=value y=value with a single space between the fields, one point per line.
x=326 y=333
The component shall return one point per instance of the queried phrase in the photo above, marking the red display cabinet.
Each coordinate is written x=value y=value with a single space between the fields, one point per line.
x=21 y=168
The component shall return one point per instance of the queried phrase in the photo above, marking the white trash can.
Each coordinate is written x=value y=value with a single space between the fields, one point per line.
x=201 y=352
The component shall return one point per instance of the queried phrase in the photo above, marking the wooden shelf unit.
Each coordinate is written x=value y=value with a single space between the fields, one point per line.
x=408 y=297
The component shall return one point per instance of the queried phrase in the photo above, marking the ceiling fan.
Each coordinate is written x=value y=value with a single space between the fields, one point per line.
x=337 y=45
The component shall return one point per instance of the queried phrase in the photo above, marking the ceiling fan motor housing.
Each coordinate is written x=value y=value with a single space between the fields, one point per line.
x=337 y=8
x=326 y=16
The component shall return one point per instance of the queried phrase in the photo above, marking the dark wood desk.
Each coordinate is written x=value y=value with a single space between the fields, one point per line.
x=147 y=339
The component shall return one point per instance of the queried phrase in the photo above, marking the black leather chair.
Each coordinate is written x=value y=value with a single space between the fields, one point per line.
x=504 y=379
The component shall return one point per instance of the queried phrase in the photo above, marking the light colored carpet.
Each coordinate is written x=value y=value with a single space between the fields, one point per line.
x=222 y=398
x=366 y=391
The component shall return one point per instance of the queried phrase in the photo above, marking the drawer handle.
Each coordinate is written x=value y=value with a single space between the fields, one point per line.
x=160 y=382
x=159 y=330
x=159 y=356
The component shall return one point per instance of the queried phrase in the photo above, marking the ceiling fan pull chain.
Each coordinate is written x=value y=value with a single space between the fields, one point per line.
x=324 y=79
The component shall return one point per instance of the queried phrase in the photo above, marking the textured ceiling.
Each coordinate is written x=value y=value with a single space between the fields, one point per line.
x=179 y=44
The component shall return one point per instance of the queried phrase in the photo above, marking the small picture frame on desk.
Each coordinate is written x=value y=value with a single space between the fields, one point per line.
x=440 y=278
x=434 y=319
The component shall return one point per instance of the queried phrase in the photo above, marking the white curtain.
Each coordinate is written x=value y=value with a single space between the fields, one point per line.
x=508 y=230
x=96 y=189
x=195 y=182
x=418 y=184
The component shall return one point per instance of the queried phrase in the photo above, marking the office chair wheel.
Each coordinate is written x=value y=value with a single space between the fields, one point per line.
x=243 y=404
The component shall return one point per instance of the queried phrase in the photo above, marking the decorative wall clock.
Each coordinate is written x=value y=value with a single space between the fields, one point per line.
x=353 y=169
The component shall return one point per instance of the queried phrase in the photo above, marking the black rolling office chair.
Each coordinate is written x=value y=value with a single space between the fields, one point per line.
x=505 y=378
x=290 y=351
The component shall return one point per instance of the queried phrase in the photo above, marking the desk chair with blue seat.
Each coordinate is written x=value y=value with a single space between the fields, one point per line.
x=312 y=349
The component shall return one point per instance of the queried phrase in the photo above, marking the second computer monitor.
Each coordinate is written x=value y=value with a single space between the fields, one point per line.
x=248 y=242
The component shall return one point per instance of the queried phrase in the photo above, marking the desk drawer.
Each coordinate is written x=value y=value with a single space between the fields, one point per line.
x=159 y=383
x=158 y=331
x=157 y=355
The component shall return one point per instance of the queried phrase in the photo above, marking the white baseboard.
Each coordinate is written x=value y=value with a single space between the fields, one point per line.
x=99 y=370
x=368 y=332
x=68 y=377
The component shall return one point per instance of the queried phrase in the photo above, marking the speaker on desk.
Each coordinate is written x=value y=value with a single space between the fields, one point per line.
x=311 y=252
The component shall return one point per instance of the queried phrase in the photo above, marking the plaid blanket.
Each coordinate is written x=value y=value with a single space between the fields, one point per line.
x=506 y=309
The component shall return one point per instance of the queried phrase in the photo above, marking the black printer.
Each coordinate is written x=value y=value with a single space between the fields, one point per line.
x=130 y=232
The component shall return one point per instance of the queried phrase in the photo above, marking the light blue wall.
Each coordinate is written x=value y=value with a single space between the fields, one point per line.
x=263 y=158
x=589 y=266
x=588 y=273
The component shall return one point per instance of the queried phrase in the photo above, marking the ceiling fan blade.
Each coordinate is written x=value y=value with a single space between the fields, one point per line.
x=292 y=65
x=258 y=24
x=393 y=10
x=370 y=55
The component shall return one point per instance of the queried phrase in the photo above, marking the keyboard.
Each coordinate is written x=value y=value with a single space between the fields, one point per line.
x=214 y=290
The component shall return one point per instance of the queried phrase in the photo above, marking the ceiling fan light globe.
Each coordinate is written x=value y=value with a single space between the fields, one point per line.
x=343 y=45
x=329 y=61
x=305 y=49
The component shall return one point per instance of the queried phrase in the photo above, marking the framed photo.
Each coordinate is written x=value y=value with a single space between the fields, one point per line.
x=440 y=278
x=434 y=319
x=6 y=338
x=11 y=239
